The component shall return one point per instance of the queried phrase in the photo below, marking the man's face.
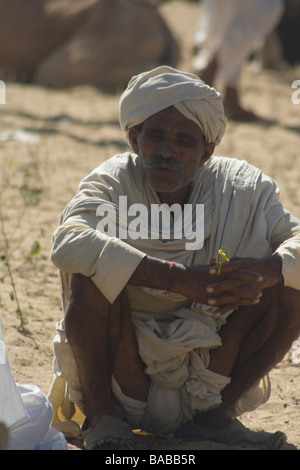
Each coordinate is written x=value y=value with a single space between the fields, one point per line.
x=171 y=148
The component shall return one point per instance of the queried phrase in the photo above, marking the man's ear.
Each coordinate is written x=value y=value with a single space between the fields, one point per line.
x=133 y=139
x=209 y=150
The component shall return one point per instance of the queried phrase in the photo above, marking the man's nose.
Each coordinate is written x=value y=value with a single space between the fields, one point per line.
x=168 y=149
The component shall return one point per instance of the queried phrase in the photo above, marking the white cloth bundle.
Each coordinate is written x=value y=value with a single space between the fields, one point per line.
x=26 y=412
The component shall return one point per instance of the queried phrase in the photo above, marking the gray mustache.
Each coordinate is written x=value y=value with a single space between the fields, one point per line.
x=160 y=162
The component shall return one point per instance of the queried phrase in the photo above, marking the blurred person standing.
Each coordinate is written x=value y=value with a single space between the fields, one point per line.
x=229 y=31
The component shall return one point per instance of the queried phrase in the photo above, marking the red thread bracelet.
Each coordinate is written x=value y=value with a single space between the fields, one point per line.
x=168 y=275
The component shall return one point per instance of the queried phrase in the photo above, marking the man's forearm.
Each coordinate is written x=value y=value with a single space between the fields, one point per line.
x=159 y=274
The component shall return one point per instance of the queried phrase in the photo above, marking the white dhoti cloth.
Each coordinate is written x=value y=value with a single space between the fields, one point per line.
x=176 y=361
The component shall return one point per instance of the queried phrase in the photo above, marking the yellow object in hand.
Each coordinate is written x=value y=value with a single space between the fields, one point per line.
x=222 y=258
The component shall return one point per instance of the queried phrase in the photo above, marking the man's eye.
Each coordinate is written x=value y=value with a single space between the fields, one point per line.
x=156 y=136
x=185 y=142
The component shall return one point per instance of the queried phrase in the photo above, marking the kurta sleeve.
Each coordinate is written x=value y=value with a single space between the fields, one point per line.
x=289 y=250
x=78 y=244
x=284 y=232
x=79 y=248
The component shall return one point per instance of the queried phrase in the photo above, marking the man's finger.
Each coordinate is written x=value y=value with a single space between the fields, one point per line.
x=233 y=306
x=230 y=282
x=226 y=285
x=238 y=264
x=233 y=299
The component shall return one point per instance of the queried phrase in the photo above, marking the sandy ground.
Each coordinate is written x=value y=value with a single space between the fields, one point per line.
x=50 y=139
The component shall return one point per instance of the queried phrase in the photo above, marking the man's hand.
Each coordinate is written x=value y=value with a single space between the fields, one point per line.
x=225 y=291
x=269 y=268
x=241 y=282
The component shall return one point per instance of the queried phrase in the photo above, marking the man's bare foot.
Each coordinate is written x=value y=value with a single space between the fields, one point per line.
x=109 y=433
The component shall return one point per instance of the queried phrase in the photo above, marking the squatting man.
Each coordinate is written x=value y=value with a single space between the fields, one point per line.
x=156 y=336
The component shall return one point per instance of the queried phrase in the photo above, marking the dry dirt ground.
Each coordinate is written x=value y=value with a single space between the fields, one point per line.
x=50 y=139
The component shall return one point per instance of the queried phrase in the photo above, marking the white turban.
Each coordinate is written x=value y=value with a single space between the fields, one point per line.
x=158 y=89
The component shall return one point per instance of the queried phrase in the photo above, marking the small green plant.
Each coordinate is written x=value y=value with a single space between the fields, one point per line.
x=35 y=250
x=31 y=195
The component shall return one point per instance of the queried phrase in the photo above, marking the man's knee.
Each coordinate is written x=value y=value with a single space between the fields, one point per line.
x=282 y=317
x=289 y=304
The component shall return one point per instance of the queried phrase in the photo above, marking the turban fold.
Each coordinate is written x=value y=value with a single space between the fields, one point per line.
x=155 y=90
